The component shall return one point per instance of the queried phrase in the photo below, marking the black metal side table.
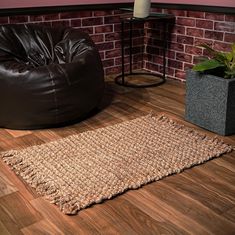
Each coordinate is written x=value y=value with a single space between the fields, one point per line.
x=161 y=78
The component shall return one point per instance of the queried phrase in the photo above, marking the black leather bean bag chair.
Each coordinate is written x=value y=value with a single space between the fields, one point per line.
x=48 y=76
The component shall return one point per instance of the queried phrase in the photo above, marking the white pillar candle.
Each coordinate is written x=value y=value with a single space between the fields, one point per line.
x=142 y=8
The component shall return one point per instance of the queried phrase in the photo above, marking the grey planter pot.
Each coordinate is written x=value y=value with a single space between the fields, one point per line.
x=210 y=102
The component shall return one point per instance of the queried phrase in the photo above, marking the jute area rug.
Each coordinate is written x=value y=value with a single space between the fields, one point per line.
x=84 y=169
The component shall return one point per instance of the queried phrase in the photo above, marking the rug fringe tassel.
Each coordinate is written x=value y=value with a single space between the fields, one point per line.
x=192 y=132
x=43 y=188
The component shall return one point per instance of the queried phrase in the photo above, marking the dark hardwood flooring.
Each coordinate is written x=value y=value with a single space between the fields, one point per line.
x=201 y=200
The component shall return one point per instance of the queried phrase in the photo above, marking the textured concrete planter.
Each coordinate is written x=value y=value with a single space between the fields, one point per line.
x=210 y=102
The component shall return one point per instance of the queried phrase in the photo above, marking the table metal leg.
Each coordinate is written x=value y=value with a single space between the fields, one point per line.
x=130 y=43
x=123 y=53
x=164 y=49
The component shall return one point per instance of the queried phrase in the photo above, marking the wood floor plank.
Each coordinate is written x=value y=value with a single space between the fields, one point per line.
x=20 y=142
x=201 y=200
x=17 y=182
x=225 y=164
x=71 y=129
x=47 y=135
x=219 y=173
x=43 y=227
x=3 y=230
x=17 y=213
x=212 y=184
x=230 y=214
x=102 y=119
x=64 y=223
x=18 y=133
x=159 y=210
x=192 y=208
x=169 y=96
x=141 y=222
x=105 y=220
x=142 y=107
x=6 y=186
x=5 y=135
x=199 y=192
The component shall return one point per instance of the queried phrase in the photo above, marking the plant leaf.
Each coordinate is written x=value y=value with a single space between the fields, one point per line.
x=209 y=49
x=202 y=58
x=220 y=56
x=229 y=56
x=233 y=54
x=207 y=65
x=230 y=73
x=233 y=48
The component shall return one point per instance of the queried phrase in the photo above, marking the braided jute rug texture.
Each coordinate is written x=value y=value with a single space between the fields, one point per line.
x=83 y=169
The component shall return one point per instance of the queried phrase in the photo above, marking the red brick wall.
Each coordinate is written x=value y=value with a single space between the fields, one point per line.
x=191 y=29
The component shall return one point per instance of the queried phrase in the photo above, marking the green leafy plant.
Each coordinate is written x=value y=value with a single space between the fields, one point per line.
x=220 y=64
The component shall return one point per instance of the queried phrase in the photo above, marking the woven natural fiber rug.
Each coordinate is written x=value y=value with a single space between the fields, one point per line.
x=84 y=169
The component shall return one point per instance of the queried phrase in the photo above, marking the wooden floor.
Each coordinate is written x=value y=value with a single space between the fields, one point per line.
x=198 y=201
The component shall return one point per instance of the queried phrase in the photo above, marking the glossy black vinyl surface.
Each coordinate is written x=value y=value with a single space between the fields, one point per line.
x=48 y=76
